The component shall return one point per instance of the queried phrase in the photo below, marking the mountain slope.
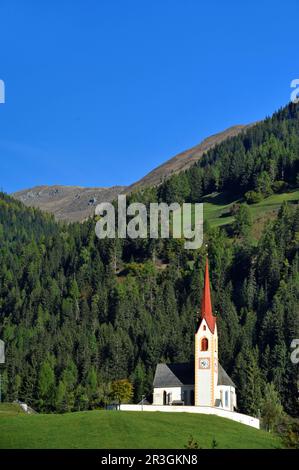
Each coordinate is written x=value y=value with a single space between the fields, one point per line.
x=70 y=203
x=75 y=204
x=185 y=159
x=84 y=311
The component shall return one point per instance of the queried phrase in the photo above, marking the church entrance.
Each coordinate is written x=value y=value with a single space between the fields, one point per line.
x=167 y=398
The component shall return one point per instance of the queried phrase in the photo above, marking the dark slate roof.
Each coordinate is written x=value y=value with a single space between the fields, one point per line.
x=223 y=377
x=175 y=375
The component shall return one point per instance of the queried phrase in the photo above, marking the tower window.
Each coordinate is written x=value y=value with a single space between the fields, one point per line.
x=204 y=328
x=204 y=344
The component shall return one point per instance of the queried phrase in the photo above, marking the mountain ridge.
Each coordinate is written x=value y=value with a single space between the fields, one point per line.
x=77 y=203
x=69 y=203
x=187 y=158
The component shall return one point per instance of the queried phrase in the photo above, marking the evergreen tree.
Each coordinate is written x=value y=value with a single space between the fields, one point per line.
x=271 y=407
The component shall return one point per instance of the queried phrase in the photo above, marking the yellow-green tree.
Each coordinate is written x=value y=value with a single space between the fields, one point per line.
x=121 y=390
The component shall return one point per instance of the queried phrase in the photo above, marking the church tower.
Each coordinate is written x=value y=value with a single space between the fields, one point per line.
x=206 y=350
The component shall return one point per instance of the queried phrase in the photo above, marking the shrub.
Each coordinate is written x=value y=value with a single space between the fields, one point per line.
x=252 y=197
x=192 y=443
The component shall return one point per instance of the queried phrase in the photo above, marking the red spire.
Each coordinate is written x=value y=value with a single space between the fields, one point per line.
x=206 y=304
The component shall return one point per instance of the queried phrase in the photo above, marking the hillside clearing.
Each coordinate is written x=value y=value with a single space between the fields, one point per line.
x=217 y=206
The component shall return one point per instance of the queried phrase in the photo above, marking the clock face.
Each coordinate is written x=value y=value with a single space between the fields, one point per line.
x=204 y=363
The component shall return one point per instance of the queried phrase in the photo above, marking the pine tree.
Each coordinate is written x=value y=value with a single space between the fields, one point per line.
x=272 y=409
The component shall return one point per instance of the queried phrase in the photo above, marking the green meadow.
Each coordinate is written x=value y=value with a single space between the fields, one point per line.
x=217 y=206
x=217 y=209
x=126 y=430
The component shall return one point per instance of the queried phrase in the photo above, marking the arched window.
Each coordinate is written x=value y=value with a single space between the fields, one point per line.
x=204 y=328
x=204 y=344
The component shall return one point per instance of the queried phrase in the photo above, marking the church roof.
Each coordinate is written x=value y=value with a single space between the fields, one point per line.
x=206 y=304
x=177 y=374
x=174 y=375
x=223 y=377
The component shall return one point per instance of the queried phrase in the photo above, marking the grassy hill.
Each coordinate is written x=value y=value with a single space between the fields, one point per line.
x=217 y=206
x=116 y=429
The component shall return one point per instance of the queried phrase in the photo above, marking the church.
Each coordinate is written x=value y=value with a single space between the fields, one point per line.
x=204 y=382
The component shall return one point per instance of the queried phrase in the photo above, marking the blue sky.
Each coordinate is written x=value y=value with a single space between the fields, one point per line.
x=100 y=92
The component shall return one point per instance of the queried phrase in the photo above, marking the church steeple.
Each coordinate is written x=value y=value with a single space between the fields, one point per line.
x=206 y=350
x=206 y=304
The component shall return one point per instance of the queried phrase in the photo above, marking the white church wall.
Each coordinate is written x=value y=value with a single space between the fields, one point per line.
x=239 y=417
x=227 y=395
x=173 y=394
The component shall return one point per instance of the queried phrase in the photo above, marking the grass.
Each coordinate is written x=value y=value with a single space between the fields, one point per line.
x=10 y=409
x=217 y=206
x=127 y=430
x=217 y=209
